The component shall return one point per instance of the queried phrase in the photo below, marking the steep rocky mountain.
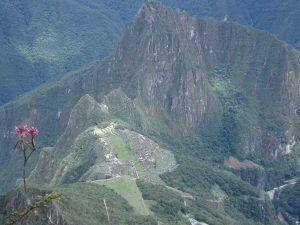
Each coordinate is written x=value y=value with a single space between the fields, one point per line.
x=222 y=97
x=41 y=40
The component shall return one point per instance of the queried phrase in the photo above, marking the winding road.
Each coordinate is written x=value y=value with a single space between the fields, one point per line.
x=272 y=192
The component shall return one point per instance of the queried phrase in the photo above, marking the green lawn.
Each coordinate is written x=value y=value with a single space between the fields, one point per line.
x=127 y=188
x=121 y=149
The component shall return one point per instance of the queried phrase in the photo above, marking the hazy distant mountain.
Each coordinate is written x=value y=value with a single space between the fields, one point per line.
x=221 y=97
x=41 y=40
x=278 y=17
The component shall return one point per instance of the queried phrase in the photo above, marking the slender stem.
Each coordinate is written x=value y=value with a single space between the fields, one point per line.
x=32 y=142
x=29 y=155
x=24 y=171
x=32 y=147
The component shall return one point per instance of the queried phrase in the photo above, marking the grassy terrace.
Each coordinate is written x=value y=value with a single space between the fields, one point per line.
x=127 y=188
x=121 y=149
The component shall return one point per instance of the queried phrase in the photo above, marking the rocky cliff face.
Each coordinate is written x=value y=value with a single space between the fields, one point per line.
x=181 y=74
x=32 y=33
x=14 y=201
x=190 y=69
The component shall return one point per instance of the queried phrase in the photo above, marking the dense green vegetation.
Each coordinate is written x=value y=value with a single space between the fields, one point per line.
x=90 y=197
x=166 y=205
x=287 y=201
x=83 y=204
x=286 y=168
x=127 y=188
x=41 y=41
x=219 y=194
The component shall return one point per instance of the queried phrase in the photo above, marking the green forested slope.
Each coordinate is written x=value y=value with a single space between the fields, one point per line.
x=223 y=97
x=41 y=40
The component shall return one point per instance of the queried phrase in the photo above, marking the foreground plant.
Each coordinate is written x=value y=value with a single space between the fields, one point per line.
x=26 y=144
x=22 y=214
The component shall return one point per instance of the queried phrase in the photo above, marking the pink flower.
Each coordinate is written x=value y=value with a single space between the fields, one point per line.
x=21 y=131
x=33 y=131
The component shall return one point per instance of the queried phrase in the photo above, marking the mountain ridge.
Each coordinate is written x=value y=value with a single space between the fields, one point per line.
x=203 y=89
x=31 y=40
x=118 y=67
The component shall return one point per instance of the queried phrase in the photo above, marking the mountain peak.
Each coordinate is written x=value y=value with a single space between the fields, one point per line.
x=147 y=11
x=152 y=10
x=150 y=7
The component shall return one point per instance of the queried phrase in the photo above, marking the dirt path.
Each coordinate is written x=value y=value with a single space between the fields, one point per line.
x=184 y=195
x=272 y=192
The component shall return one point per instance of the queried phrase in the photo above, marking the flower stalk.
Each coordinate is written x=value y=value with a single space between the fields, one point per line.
x=26 y=144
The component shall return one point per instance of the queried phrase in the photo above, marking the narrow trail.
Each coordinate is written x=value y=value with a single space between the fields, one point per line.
x=192 y=220
x=183 y=195
x=272 y=192
x=281 y=219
